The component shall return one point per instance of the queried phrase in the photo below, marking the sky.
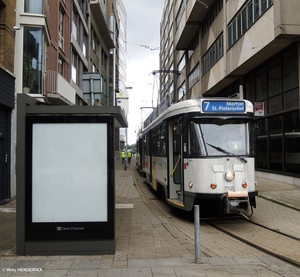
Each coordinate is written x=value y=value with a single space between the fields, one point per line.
x=143 y=40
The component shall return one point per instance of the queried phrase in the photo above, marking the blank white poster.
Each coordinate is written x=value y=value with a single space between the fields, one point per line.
x=69 y=172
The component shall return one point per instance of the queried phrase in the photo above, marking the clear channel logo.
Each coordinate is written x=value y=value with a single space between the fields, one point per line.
x=71 y=228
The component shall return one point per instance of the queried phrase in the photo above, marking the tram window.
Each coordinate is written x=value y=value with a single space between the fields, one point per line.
x=233 y=135
x=163 y=139
x=196 y=146
x=176 y=140
x=156 y=142
x=146 y=144
x=159 y=147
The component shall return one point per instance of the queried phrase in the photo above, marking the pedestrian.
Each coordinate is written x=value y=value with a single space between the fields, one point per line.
x=123 y=155
x=129 y=155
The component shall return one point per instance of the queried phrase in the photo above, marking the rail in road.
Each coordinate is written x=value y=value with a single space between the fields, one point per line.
x=273 y=229
x=269 y=241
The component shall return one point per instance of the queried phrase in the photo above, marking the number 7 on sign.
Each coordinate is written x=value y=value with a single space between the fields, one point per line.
x=207 y=105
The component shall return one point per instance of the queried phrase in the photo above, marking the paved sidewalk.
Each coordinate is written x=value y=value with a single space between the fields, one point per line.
x=282 y=193
x=146 y=246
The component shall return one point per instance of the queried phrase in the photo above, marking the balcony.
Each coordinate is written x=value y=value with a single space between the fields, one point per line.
x=58 y=91
x=102 y=22
x=191 y=20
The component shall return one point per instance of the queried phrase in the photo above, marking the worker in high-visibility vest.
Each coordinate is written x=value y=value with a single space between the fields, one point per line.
x=129 y=155
x=123 y=156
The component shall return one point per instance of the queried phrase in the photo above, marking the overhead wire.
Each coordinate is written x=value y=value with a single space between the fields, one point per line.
x=145 y=46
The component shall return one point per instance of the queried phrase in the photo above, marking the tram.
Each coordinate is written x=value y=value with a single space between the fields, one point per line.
x=200 y=152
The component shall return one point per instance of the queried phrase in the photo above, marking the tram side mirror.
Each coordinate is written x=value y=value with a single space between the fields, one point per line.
x=179 y=129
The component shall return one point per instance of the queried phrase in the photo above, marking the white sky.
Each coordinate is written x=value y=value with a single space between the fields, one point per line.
x=143 y=34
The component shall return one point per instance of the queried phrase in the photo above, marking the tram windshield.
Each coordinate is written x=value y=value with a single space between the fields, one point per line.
x=219 y=137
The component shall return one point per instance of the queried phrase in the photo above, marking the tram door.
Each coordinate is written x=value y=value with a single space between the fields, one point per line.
x=175 y=164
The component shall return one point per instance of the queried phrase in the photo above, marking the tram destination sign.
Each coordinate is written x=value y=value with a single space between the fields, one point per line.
x=223 y=106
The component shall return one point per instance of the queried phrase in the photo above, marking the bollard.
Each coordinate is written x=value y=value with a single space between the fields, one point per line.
x=197 y=233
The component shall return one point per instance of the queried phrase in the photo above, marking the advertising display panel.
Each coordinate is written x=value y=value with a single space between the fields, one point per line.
x=65 y=178
x=68 y=178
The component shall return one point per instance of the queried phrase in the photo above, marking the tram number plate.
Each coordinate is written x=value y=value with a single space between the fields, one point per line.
x=229 y=188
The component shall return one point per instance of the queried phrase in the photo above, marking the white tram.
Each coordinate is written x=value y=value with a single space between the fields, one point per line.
x=200 y=152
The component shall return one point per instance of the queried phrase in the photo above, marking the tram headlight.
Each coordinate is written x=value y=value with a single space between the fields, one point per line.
x=229 y=176
x=190 y=185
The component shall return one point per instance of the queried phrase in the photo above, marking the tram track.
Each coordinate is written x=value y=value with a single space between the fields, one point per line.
x=250 y=234
x=272 y=242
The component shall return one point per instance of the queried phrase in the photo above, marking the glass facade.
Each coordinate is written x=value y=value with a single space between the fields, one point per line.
x=32 y=60
x=276 y=84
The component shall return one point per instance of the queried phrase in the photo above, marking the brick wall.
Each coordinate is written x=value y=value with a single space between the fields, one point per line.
x=7 y=33
x=54 y=50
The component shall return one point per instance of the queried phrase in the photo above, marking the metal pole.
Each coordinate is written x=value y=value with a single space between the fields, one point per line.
x=92 y=92
x=197 y=233
x=126 y=156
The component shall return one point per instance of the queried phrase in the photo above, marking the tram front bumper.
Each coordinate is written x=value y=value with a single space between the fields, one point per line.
x=237 y=202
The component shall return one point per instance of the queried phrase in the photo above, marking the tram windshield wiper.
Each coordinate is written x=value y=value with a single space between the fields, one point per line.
x=226 y=152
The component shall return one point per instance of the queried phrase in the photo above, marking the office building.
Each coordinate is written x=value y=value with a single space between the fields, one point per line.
x=249 y=48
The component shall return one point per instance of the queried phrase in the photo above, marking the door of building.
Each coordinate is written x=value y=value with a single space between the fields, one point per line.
x=4 y=155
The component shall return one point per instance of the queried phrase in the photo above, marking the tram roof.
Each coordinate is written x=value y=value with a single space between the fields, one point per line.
x=194 y=105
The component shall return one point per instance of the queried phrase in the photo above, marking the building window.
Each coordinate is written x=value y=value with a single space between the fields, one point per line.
x=32 y=60
x=246 y=18
x=104 y=59
x=93 y=39
x=290 y=70
x=261 y=84
x=61 y=29
x=74 y=67
x=194 y=77
x=275 y=143
x=34 y=6
x=194 y=44
x=213 y=55
x=275 y=77
x=181 y=91
x=213 y=12
x=181 y=64
x=180 y=13
x=75 y=23
x=292 y=142
x=261 y=158
x=95 y=44
x=60 y=65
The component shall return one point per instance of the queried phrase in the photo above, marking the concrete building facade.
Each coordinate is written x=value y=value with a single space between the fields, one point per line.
x=249 y=47
x=122 y=97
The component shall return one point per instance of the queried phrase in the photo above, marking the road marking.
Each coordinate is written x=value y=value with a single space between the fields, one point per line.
x=124 y=206
x=7 y=210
